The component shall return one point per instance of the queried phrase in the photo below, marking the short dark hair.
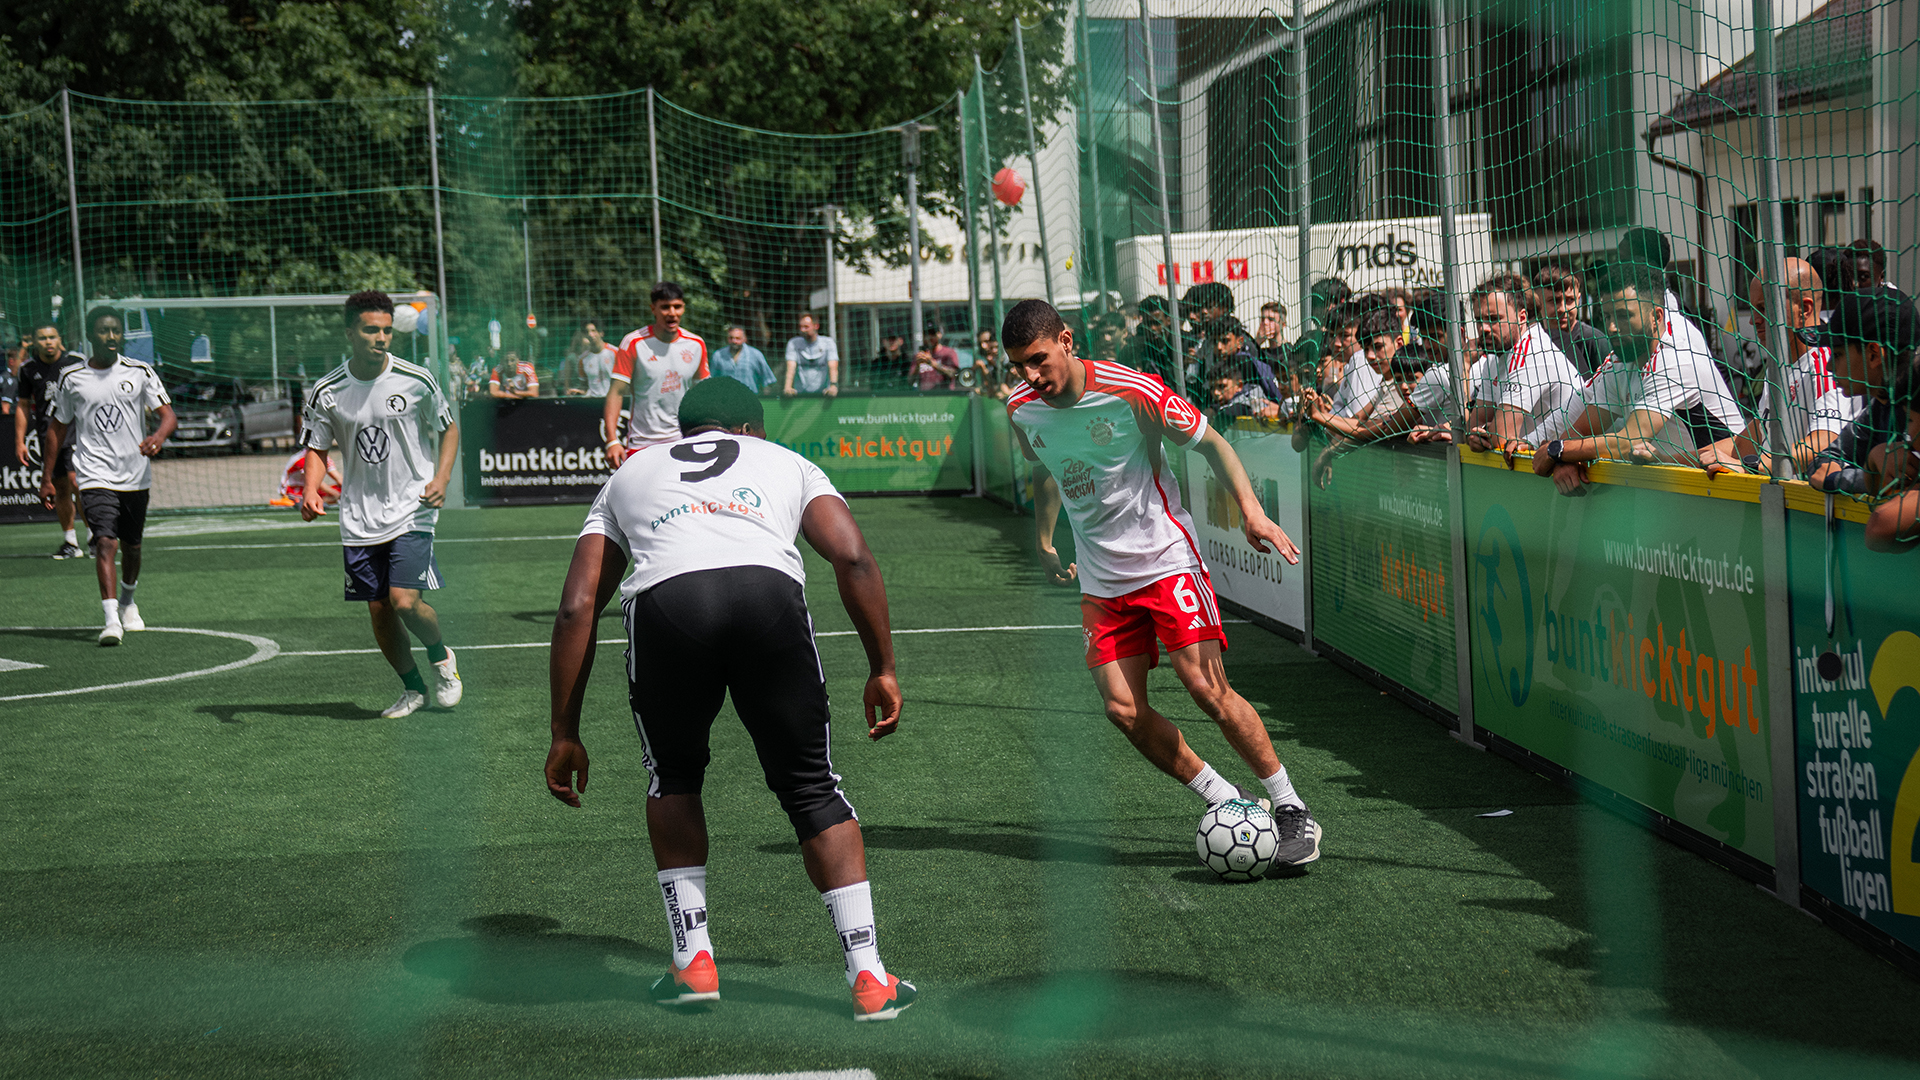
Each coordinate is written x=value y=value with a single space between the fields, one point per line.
x=1648 y=282
x=359 y=303
x=104 y=311
x=1276 y=307
x=1554 y=276
x=1871 y=249
x=43 y=324
x=1331 y=291
x=723 y=401
x=1224 y=326
x=1380 y=323
x=1646 y=245
x=665 y=290
x=1343 y=316
x=1156 y=302
x=1028 y=322
x=1210 y=294
x=1515 y=286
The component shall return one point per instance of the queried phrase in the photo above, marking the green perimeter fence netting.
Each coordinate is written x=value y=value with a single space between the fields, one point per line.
x=1117 y=153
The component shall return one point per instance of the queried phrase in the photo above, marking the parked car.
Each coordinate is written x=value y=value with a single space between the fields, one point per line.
x=220 y=412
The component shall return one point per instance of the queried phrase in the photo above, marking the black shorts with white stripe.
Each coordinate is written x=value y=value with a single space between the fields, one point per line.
x=743 y=630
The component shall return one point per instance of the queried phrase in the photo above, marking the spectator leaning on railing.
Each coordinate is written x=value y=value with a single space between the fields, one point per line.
x=1653 y=400
x=741 y=362
x=1558 y=294
x=1815 y=408
x=1874 y=336
x=1537 y=379
x=813 y=362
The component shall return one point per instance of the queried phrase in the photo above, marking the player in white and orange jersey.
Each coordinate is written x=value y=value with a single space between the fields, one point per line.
x=657 y=363
x=1094 y=431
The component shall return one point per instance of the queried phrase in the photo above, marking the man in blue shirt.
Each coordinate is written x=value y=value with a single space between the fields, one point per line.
x=742 y=362
x=815 y=359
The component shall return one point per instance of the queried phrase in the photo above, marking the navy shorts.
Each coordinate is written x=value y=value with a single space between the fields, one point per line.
x=404 y=562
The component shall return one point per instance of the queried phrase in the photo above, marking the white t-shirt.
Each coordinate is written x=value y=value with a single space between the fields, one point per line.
x=810 y=361
x=660 y=373
x=598 y=368
x=1359 y=384
x=1432 y=397
x=388 y=429
x=704 y=502
x=1815 y=402
x=1682 y=384
x=105 y=410
x=1104 y=451
x=1538 y=378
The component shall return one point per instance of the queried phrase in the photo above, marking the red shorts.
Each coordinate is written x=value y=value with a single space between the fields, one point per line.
x=1180 y=610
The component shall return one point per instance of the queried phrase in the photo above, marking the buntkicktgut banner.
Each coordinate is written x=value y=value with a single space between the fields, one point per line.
x=20 y=480
x=876 y=444
x=1262 y=582
x=549 y=450
x=1856 y=677
x=1382 y=562
x=1622 y=635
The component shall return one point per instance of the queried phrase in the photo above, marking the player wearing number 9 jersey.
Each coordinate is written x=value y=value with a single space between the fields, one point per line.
x=1095 y=432
x=715 y=604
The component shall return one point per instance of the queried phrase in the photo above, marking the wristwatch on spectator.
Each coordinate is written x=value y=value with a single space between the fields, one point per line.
x=1552 y=450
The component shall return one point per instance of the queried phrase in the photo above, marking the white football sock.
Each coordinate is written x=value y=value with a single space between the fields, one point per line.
x=126 y=593
x=684 y=889
x=852 y=909
x=1212 y=787
x=1280 y=790
x=112 y=608
x=68 y=537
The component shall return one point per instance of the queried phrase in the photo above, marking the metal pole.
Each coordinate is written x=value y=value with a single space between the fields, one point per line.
x=1449 y=260
x=273 y=344
x=653 y=175
x=1166 y=214
x=1033 y=161
x=973 y=235
x=832 y=215
x=910 y=150
x=1303 y=170
x=73 y=206
x=1772 y=261
x=993 y=224
x=439 y=230
x=1093 y=163
x=526 y=260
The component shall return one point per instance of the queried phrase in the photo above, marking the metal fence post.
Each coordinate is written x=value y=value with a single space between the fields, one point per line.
x=1772 y=260
x=1303 y=229
x=439 y=232
x=73 y=208
x=831 y=214
x=1033 y=160
x=973 y=235
x=1166 y=214
x=653 y=180
x=993 y=224
x=1093 y=163
x=1456 y=497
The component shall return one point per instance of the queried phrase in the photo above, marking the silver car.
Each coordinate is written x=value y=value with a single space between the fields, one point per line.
x=220 y=413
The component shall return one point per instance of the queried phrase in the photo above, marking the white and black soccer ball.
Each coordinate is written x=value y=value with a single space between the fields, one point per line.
x=1236 y=840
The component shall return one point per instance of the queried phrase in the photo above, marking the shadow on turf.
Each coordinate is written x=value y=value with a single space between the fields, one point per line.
x=309 y=710
x=1027 y=847
x=82 y=634
x=517 y=958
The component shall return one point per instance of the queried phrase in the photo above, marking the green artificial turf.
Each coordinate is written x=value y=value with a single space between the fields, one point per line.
x=249 y=874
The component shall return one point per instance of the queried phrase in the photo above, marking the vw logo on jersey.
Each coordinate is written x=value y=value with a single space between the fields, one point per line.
x=1181 y=413
x=396 y=404
x=108 y=417
x=1100 y=431
x=374 y=445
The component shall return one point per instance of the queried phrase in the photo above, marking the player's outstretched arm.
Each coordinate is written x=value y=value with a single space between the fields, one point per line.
x=829 y=527
x=595 y=572
x=1260 y=530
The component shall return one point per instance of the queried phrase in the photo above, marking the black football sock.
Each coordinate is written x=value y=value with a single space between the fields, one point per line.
x=437 y=652
x=411 y=678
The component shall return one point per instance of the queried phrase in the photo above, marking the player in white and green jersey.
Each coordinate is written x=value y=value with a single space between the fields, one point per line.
x=397 y=439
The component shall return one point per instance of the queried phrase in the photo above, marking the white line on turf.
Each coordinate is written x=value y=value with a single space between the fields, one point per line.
x=837 y=1074
x=17 y=665
x=264 y=649
x=622 y=641
x=336 y=543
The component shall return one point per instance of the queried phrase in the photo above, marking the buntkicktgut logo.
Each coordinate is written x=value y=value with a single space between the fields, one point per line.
x=1503 y=606
x=374 y=445
x=748 y=496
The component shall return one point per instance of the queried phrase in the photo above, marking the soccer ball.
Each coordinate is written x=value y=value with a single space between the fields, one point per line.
x=1236 y=840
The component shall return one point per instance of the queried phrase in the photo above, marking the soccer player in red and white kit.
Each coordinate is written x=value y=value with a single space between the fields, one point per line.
x=1094 y=431
x=658 y=363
